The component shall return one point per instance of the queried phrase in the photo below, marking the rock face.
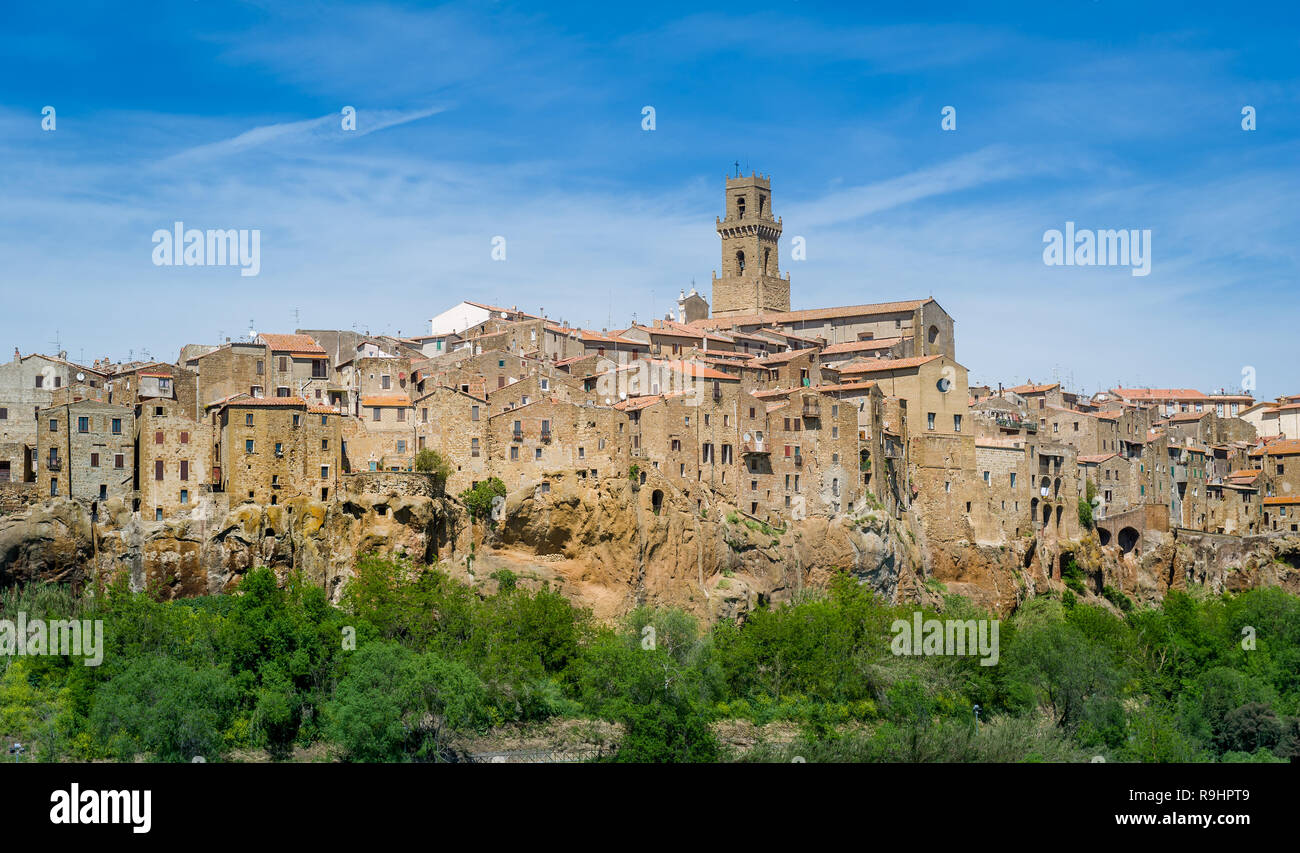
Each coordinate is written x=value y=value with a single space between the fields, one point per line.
x=610 y=546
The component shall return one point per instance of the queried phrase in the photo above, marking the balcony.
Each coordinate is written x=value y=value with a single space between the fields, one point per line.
x=546 y=436
x=518 y=435
x=798 y=461
x=753 y=446
x=811 y=408
x=54 y=465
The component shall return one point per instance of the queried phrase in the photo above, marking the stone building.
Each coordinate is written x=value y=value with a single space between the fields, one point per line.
x=86 y=452
x=174 y=458
x=751 y=280
x=455 y=423
x=27 y=385
x=271 y=448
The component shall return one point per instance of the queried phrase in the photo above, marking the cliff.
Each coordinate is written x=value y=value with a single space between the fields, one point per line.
x=610 y=546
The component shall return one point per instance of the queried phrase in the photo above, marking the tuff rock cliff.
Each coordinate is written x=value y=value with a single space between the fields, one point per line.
x=609 y=547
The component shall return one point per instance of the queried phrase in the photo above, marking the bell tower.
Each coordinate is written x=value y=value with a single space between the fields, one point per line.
x=751 y=281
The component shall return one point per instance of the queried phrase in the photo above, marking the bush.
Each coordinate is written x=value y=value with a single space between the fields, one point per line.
x=432 y=462
x=478 y=499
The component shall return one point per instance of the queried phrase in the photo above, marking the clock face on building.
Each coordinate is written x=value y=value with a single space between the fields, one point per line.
x=944 y=384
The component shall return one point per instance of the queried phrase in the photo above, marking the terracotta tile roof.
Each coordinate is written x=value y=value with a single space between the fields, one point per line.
x=861 y=346
x=813 y=314
x=636 y=404
x=1033 y=389
x=845 y=386
x=1097 y=459
x=322 y=410
x=1284 y=447
x=783 y=357
x=1185 y=417
x=382 y=400
x=881 y=365
x=242 y=400
x=1159 y=394
x=295 y=344
x=788 y=335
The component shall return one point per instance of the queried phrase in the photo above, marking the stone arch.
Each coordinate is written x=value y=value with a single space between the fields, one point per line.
x=1103 y=534
x=1128 y=539
x=740 y=262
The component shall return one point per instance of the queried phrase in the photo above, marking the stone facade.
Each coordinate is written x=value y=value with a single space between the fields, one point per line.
x=86 y=452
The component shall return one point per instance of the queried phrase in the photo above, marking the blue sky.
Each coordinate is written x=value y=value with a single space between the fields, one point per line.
x=524 y=121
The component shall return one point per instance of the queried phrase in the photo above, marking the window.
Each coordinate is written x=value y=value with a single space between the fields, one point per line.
x=424 y=415
x=119 y=461
x=374 y=414
x=94 y=460
x=185 y=496
x=282 y=390
x=248 y=419
x=401 y=415
x=401 y=446
x=473 y=447
x=986 y=479
x=473 y=413
x=185 y=470
x=297 y=419
x=261 y=367
x=1013 y=479
x=324 y=444
x=157 y=513
x=324 y=472
x=929 y=420
x=185 y=438
x=158 y=437
x=83 y=424
x=514 y=451
x=54 y=483
x=4 y=414
x=279 y=449
x=537 y=453
x=248 y=446
x=956 y=423
x=284 y=363
x=158 y=470
x=40 y=383
x=54 y=425
x=385 y=382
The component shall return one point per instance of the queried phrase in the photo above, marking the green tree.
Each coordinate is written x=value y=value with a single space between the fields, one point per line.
x=164 y=707
x=429 y=461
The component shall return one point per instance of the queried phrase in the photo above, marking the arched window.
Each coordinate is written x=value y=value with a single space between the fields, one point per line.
x=740 y=262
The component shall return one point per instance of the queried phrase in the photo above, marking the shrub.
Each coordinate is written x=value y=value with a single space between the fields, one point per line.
x=478 y=498
x=432 y=462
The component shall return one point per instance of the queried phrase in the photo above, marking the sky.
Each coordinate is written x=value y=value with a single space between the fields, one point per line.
x=527 y=122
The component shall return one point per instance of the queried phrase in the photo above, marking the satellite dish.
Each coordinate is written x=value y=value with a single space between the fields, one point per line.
x=608 y=401
x=944 y=384
x=747 y=437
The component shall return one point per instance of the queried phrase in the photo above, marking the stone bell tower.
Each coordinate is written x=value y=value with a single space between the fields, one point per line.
x=751 y=281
